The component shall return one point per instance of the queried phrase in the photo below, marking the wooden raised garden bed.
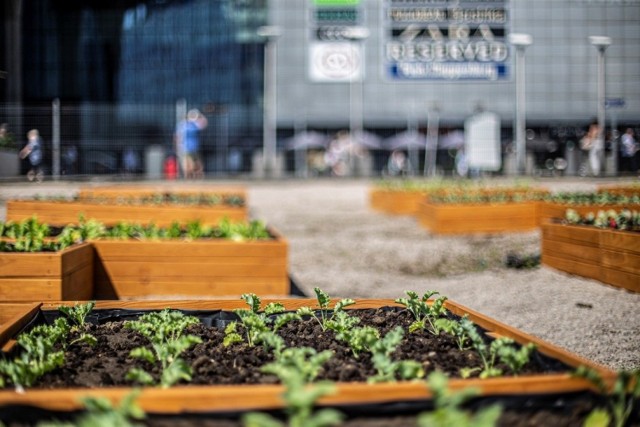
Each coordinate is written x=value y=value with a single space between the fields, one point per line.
x=47 y=276
x=200 y=268
x=610 y=256
x=442 y=218
x=67 y=212
x=395 y=202
x=206 y=398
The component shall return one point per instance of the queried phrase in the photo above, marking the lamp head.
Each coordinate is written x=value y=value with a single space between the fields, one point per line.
x=519 y=39
x=601 y=42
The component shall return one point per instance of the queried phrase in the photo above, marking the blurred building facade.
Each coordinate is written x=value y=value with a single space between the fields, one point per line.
x=124 y=70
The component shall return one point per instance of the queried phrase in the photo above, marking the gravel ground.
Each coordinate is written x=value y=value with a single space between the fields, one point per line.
x=339 y=244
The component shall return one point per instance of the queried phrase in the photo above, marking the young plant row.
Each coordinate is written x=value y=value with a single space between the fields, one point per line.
x=593 y=199
x=30 y=235
x=160 y=198
x=624 y=219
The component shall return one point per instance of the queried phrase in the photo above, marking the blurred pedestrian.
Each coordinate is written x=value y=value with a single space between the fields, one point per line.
x=6 y=140
x=397 y=165
x=187 y=140
x=593 y=144
x=629 y=150
x=34 y=151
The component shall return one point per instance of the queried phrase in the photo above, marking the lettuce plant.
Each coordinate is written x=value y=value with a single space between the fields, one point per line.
x=296 y=368
x=40 y=354
x=165 y=332
x=423 y=312
x=256 y=322
x=620 y=399
x=323 y=302
x=386 y=368
x=448 y=410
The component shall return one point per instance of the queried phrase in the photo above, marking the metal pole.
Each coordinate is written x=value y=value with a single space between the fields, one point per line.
x=521 y=147
x=55 y=139
x=181 y=114
x=601 y=95
x=269 y=148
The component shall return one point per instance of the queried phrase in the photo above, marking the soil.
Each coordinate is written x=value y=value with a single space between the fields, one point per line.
x=107 y=363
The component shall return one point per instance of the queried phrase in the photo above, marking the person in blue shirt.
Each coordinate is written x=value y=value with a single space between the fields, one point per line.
x=34 y=151
x=188 y=143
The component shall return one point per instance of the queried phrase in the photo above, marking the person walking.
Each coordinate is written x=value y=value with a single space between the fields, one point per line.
x=629 y=148
x=188 y=142
x=33 y=150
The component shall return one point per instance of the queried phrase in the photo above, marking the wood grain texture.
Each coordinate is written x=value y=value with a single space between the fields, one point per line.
x=395 y=202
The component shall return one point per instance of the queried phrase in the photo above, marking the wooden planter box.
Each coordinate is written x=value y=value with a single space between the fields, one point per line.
x=194 y=269
x=63 y=212
x=243 y=397
x=548 y=211
x=610 y=256
x=621 y=189
x=47 y=276
x=477 y=218
x=113 y=192
x=395 y=202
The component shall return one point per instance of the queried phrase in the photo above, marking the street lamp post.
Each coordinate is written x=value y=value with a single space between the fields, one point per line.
x=520 y=41
x=269 y=127
x=356 y=87
x=601 y=43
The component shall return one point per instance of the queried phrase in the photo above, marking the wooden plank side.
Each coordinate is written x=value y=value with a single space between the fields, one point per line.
x=590 y=271
x=620 y=260
x=215 y=287
x=118 y=191
x=13 y=317
x=78 y=285
x=22 y=265
x=490 y=218
x=106 y=249
x=178 y=269
x=626 y=241
x=24 y=289
x=583 y=235
x=76 y=257
x=572 y=251
x=621 y=279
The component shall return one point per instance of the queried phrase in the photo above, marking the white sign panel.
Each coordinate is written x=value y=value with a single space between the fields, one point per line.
x=482 y=142
x=335 y=62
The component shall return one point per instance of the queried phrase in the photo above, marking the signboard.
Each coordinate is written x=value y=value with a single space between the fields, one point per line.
x=482 y=142
x=335 y=48
x=446 y=39
x=335 y=62
x=614 y=103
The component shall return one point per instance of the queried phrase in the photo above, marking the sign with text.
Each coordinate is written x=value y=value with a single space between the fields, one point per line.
x=482 y=142
x=446 y=39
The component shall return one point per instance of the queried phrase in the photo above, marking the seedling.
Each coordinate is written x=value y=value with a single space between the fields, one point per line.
x=164 y=330
x=38 y=355
x=78 y=313
x=323 y=302
x=502 y=348
x=387 y=369
x=296 y=368
x=359 y=339
x=455 y=328
x=620 y=398
x=100 y=412
x=448 y=411
x=256 y=322
x=423 y=312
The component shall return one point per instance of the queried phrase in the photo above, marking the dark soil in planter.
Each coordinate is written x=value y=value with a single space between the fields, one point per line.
x=107 y=363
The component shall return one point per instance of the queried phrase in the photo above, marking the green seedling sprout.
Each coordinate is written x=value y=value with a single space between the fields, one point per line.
x=164 y=331
x=296 y=368
x=387 y=369
x=256 y=322
x=100 y=412
x=324 y=300
x=620 y=398
x=448 y=411
x=423 y=312
x=77 y=315
x=455 y=328
x=39 y=355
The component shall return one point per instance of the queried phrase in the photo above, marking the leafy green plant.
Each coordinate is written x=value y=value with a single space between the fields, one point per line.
x=388 y=369
x=100 y=412
x=448 y=411
x=359 y=339
x=38 y=356
x=78 y=314
x=241 y=231
x=296 y=368
x=456 y=328
x=28 y=235
x=621 y=397
x=165 y=332
x=502 y=349
x=423 y=312
x=324 y=300
x=256 y=322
